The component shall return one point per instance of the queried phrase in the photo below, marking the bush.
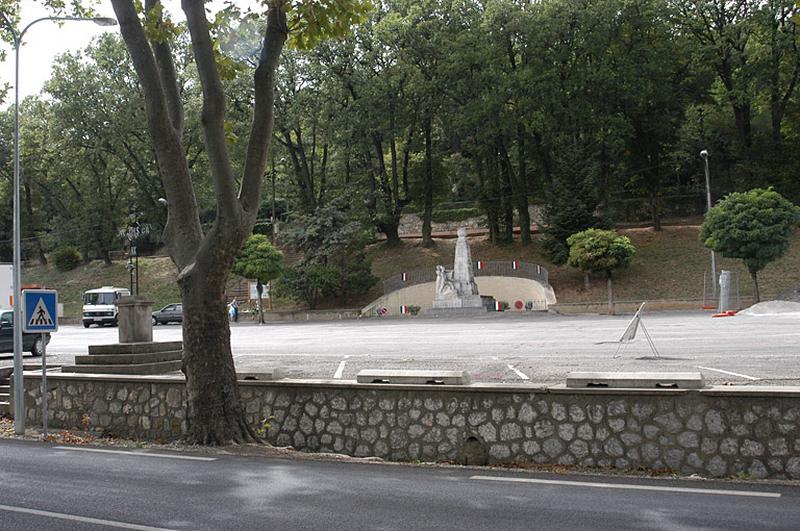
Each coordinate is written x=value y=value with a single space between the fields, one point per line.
x=66 y=258
x=455 y=214
x=309 y=283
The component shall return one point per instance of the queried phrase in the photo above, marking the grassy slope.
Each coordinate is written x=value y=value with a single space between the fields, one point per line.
x=668 y=265
x=156 y=281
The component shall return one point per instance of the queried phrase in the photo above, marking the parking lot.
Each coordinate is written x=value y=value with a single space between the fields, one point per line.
x=540 y=347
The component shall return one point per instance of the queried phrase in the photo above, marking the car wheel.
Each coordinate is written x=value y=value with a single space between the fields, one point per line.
x=37 y=349
x=87 y=325
x=155 y=321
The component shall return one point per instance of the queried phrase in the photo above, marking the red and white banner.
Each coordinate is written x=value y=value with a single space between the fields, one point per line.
x=480 y=265
x=405 y=277
x=515 y=264
x=404 y=309
x=498 y=306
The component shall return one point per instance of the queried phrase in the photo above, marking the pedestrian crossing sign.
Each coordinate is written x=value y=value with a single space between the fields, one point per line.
x=39 y=310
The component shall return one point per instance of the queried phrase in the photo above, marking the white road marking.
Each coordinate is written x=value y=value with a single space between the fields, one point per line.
x=82 y=519
x=753 y=378
x=628 y=486
x=495 y=358
x=134 y=454
x=340 y=369
x=518 y=372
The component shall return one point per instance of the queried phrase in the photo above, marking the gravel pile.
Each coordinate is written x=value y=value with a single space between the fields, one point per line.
x=773 y=308
x=791 y=294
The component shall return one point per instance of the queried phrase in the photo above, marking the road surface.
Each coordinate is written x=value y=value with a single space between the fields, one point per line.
x=80 y=488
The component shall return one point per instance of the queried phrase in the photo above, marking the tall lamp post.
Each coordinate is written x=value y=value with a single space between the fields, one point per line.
x=19 y=394
x=704 y=156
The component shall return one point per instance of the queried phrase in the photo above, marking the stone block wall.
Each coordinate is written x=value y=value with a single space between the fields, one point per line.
x=713 y=432
x=148 y=407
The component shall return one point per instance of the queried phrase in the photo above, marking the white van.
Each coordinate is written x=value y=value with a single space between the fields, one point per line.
x=99 y=307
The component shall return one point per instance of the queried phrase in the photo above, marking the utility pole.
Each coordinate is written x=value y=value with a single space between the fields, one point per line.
x=17 y=36
x=704 y=156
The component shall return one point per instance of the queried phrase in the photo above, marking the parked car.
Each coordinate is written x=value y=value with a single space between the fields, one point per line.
x=171 y=313
x=30 y=342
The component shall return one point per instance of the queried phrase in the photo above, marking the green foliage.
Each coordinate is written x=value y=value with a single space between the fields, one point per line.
x=313 y=21
x=599 y=251
x=259 y=260
x=355 y=276
x=454 y=214
x=309 y=283
x=755 y=226
x=66 y=258
x=571 y=201
x=333 y=239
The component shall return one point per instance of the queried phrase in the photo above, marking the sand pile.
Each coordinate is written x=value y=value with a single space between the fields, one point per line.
x=773 y=308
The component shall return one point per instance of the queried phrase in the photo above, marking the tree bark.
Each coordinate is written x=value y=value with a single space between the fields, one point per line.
x=31 y=228
x=204 y=261
x=427 y=239
x=756 y=291
x=215 y=414
x=522 y=188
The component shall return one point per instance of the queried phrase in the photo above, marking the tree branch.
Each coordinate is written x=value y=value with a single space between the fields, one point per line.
x=275 y=36
x=182 y=232
x=213 y=115
x=169 y=79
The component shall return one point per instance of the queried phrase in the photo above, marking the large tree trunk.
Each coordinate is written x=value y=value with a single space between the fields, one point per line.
x=204 y=260
x=215 y=413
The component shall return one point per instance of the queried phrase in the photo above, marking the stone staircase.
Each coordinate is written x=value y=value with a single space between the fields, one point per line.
x=130 y=358
x=5 y=392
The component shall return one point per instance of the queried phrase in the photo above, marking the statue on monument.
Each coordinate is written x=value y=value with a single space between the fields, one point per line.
x=457 y=288
x=444 y=284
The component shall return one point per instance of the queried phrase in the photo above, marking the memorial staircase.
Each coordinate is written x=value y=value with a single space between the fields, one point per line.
x=130 y=358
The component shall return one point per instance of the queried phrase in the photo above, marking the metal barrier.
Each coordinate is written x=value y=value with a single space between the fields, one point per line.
x=495 y=268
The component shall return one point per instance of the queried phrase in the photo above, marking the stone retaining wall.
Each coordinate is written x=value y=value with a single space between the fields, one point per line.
x=716 y=432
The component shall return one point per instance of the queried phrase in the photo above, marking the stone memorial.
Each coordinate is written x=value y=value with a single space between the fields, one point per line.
x=456 y=288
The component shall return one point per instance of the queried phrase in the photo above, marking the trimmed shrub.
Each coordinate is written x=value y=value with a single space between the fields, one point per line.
x=66 y=258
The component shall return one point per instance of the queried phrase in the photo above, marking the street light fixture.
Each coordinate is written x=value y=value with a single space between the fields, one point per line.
x=19 y=393
x=704 y=156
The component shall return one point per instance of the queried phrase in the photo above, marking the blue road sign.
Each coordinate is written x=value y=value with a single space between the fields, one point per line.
x=39 y=310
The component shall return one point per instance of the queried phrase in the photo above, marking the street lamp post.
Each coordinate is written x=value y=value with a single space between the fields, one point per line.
x=19 y=394
x=704 y=156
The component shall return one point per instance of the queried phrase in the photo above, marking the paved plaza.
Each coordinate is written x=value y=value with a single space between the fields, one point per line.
x=513 y=348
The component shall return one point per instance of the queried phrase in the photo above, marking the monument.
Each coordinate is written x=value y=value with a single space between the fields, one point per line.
x=456 y=288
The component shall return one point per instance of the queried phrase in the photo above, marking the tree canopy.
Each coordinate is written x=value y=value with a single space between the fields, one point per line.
x=755 y=226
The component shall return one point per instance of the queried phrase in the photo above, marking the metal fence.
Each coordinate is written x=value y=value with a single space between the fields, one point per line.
x=495 y=268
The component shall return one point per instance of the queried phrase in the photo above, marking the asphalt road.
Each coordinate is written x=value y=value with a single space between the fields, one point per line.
x=46 y=487
x=741 y=350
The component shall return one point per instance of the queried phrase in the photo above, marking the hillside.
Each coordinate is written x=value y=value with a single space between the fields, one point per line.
x=156 y=280
x=668 y=265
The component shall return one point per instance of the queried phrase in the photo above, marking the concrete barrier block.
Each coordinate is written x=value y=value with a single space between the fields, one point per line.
x=432 y=377
x=267 y=375
x=636 y=380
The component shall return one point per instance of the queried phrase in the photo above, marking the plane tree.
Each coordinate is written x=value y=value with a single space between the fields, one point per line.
x=204 y=258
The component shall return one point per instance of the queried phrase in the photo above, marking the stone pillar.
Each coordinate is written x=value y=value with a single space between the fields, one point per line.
x=135 y=320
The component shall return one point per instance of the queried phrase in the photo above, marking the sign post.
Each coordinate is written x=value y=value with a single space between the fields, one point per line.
x=40 y=315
